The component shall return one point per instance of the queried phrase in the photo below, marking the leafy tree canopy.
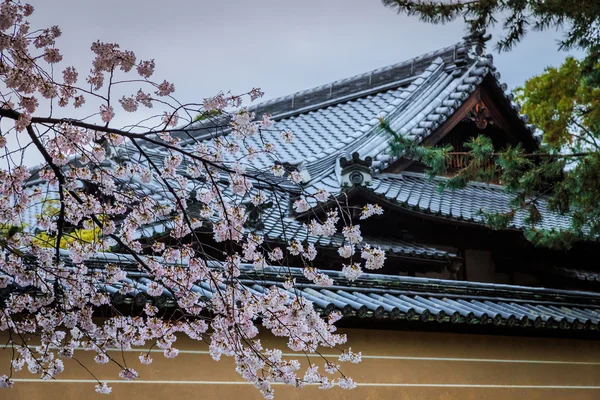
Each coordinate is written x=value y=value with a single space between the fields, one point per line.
x=581 y=18
x=565 y=171
x=562 y=102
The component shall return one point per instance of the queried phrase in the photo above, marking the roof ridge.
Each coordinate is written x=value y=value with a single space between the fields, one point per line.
x=425 y=77
x=366 y=278
x=383 y=78
x=369 y=279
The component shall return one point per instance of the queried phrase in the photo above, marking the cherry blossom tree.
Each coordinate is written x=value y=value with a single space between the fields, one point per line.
x=96 y=192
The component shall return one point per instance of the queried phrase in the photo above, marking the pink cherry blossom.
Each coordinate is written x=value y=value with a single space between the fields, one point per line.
x=129 y=374
x=146 y=68
x=165 y=89
x=29 y=104
x=171 y=353
x=107 y=113
x=370 y=210
x=351 y=271
x=170 y=120
x=70 y=76
x=52 y=56
x=287 y=136
x=346 y=383
x=352 y=234
x=301 y=205
x=23 y=121
x=346 y=251
x=5 y=382
x=322 y=195
x=375 y=257
x=123 y=216
x=129 y=104
x=255 y=93
x=103 y=388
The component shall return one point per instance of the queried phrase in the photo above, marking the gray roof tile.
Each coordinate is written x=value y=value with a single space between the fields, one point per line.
x=393 y=297
x=416 y=190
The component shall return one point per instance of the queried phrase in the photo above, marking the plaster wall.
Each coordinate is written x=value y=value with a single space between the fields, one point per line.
x=396 y=365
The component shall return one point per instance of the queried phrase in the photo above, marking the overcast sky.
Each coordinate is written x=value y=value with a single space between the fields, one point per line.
x=281 y=46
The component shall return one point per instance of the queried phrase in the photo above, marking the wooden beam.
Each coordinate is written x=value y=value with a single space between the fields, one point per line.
x=441 y=131
x=499 y=117
x=503 y=114
x=507 y=116
x=451 y=122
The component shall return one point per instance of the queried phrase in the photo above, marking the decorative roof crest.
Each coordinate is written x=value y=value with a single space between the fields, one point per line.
x=255 y=214
x=355 y=172
x=476 y=41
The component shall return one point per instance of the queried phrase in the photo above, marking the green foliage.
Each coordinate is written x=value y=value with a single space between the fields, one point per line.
x=563 y=105
x=499 y=220
x=564 y=102
x=563 y=175
x=481 y=151
x=589 y=67
x=8 y=231
x=580 y=20
x=433 y=157
x=567 y=109
x=78 y=235
x=517 y=17
x=204 y=115
x=557 y=239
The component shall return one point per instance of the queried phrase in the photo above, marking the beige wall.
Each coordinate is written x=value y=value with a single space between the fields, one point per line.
x=398 y=365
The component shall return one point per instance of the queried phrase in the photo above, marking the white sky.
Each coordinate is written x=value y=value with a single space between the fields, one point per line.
x=281 y=46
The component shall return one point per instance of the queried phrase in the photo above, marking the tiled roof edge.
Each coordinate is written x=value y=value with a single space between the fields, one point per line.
x=421 y=175
x=369 y=278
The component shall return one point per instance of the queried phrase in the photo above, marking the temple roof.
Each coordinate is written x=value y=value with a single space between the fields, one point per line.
x=332 y=122
x=417 y=96
x=389 y=297
x=343 y=117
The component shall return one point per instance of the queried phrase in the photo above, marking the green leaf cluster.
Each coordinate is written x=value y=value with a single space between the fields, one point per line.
x=580 y=19
x=563 y=105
